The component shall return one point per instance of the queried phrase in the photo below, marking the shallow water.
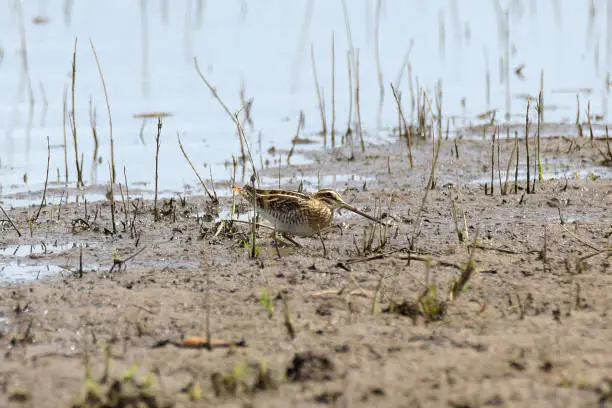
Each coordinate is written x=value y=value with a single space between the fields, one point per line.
x=146 y=52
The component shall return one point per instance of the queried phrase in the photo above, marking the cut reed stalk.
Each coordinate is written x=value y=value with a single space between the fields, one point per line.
x=403 y=118
x=44 y=196
x=112 y=199
x=157 y=145
x=127 y=196
x=504 y=190
x=516 y=169
x=538 y=157
x=527 y=147
x=357 y=109
x=64 y=118
x=73 y=120
x=578 y=123
x=589 y=122
x=350 y=88
x=319 y=92
x=492 y=163
x=110 y=119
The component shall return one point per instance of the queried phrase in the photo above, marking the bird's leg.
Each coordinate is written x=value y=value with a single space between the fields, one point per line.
x=297 y=244
x=322 y=243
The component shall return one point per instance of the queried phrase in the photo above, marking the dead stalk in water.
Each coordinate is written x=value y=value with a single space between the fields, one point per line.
x=357 y=109
x=516 y=169
x=110 y=120
x=112 y=200
x=350 y=81
x=212 y=198
x=44 y=196
x=10 y=221
x=578 y=123
x=157 y=145
x=73 y=120
x=403 y=117
x=527 y=147
x=64 y=118
x=319 y=92
x=504 y=189
x=540 y=113
x=300 y=126
x=492 y=163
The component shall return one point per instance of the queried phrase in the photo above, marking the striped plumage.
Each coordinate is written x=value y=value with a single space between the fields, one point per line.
x=296 y=213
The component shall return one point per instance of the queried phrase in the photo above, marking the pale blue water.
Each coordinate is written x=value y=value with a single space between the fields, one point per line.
x=146 y=50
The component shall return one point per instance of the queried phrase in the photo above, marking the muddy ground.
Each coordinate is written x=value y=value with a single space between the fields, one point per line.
x=372 y=319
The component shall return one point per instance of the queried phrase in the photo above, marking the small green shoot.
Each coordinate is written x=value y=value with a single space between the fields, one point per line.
x=267 y=302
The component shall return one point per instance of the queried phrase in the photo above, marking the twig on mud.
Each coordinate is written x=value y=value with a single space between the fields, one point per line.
x=432 y=261
x=502 y=250
x=593 y=247
x=120 y=263
x=10 y=221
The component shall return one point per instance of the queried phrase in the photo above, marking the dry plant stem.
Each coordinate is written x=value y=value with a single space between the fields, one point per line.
x=589 y=121
x=609 y=157
x=333 y=92
x=540 y=110
x=401 y=113
x=510 y=161
x=112 y=199
x=293 y=141
x=125 y=212
x=466 y=273
x=492 y=163
x=127 y=196
x=516 y=169
x=234 y=117
x=436 y=144
x=499 y=177
x=44 y=196
x=527 y=147
x=350 y=81
x=10 y=221
x=357 y=109
x=578 y=124
x=64 y=114
x=73 y=120
x=318 y=89
x=110 y=120
x=212 y=198
x=94 y=131
x=157 y=144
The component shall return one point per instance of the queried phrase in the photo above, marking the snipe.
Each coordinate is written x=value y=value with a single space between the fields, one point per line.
x=294 y=213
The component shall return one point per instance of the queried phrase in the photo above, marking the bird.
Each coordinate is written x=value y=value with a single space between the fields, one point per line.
x=295 y=213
